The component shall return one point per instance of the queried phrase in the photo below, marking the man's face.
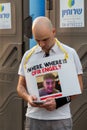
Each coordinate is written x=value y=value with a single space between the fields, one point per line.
x=49 y=85
x=44 y=38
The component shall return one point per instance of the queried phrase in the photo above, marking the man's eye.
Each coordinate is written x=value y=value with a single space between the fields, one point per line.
x=45 y=39
x=37 y=40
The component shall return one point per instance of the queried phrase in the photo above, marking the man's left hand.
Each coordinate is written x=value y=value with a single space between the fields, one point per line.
x=49 y=104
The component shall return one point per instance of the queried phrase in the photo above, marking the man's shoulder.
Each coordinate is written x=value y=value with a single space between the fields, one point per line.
x=29 y=51
x=68 y=48
x=32 y=50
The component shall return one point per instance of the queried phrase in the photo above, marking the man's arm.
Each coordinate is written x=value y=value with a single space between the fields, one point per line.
x=21 y=88
x=81 y=85
x=80 y=81
x=22 y=91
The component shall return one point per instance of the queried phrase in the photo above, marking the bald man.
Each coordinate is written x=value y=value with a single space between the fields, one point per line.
x=54 y=114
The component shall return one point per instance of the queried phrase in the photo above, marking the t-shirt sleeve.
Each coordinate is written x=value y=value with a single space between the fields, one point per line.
x=21 y=66
x=78 y=64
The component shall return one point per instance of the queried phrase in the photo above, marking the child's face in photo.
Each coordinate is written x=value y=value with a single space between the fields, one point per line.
x=49 y=85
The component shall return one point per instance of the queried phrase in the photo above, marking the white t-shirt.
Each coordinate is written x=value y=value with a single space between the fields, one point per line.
x=41 y=113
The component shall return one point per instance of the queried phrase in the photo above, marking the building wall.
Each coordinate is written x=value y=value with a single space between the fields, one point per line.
x=75 y=37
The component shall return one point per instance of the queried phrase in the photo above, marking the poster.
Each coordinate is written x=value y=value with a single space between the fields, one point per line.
x=71 y=13
x=64 y=76
x=5 y=15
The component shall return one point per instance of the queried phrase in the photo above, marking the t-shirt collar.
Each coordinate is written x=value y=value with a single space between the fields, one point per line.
x=54 y=49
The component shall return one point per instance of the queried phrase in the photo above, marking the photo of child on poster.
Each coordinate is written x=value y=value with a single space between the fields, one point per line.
x=48 y=84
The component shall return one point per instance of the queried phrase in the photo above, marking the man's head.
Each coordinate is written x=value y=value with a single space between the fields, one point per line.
x=43 y=32
x=49 y=82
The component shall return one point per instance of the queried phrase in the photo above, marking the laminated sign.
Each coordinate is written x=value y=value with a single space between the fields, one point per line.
x=52 y=76
x=5 y=16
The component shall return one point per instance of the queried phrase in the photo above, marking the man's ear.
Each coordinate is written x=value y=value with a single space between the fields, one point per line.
x=54 y=31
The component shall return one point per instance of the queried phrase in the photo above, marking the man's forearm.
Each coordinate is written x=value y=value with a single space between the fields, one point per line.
x=23 y=93
x=62 y=101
